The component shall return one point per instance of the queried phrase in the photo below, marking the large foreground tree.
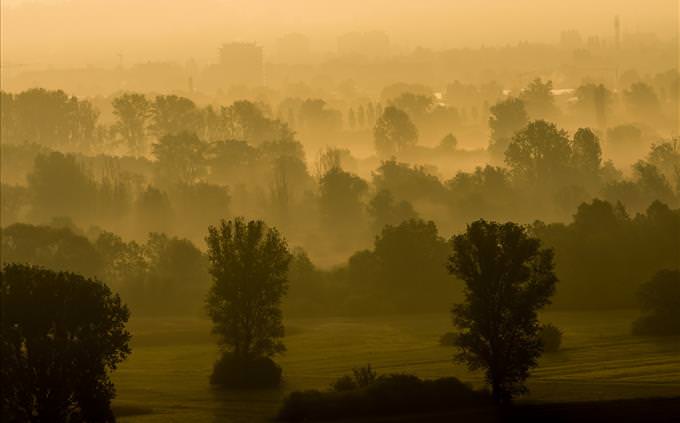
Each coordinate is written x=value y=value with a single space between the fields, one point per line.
x=249 y=265
x=508 y=278
x=61 y=335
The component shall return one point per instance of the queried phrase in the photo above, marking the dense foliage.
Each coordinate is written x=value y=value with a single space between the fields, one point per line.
x=61 y=336
x=508 y=278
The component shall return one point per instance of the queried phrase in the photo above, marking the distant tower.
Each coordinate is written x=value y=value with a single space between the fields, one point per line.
x=617 y=32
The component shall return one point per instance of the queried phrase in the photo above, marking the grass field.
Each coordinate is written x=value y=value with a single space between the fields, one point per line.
x=166 y=377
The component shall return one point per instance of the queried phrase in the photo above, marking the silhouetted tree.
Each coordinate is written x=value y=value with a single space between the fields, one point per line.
x=173 y=114
x=448 y=144
x=411 y=183
x=506 y=118
x=341 y=200
x=594 y=102
x=394 y=132
x=539 y=99
x=642 y=101
x=249 y=265
x=539 y=154
x=57 y=249
x=586 y=157
x=60 y=186
x=508 y=278
x=49 y=118
x=660 y=303
x=180 y=158
x=61 y=335
x=407 y=252
x=132 y=112
x=385 y=210
x=415 y=105
x=153 y=212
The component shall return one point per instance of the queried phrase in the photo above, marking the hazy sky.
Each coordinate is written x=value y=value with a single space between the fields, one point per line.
x=82 y=32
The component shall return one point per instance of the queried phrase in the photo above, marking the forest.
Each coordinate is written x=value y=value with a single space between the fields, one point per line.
x=368 y=233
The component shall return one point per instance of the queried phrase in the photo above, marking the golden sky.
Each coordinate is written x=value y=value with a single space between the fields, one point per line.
x=94 y=32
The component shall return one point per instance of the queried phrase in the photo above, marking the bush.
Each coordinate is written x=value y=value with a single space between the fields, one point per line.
x=387 y=395
x=361 y=377
x=364 y=376
x=232 y=372
x=344 y=383
x=551 y=338
x=448 y=339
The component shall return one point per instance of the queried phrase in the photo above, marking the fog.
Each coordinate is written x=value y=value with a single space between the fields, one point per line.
x=94 y=32
x=274 y=194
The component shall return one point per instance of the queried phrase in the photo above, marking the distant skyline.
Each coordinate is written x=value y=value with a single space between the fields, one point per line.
x=95 y=32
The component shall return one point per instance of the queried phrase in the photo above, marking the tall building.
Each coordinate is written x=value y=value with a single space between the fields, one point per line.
x=241 y=64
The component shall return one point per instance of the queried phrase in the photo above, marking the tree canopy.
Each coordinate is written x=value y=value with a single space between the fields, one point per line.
x=61 y=336
x=508 y=277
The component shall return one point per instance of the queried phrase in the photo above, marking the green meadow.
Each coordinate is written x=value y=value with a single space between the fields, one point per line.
x=166 y=377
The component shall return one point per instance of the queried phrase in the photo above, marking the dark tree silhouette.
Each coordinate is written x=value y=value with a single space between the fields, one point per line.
x=249 y=265
x=393 y=132
x=539 y=154
x=660 y=303
x=132 y=112
x=61 y=335
x=539 y=99
x=341 y=201
x=506 y=118
x=508 y=278
x=385 y=210
x=180 y=158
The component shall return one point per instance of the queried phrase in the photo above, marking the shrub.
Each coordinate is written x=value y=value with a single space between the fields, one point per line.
x=448 y=339
x=551 y=338
x=364 y=376
x=361 y=377
x=387 y=395
x=344 y=383
x=232 y=372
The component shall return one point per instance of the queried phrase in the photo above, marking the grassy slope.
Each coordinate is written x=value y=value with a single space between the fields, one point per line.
x=166 y=378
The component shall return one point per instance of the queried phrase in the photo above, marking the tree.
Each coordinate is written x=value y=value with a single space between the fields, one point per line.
x=49 y=118
x=660 y=303
x=404 y=253
x=586 y=156
x=60 y=186
x=385 y=210
x=594 y=102
x=132 y=112
x=152 y=210
x=508 y=278
x=642 y=101
x=415 y=105
x=61 y=335
x=180 y=158
x=539 y=153
x=506 y=118
x=394 y=132
x=53 y=248
x=249 y=265
x=173 y=115
x=539 y=99
x=341 y=201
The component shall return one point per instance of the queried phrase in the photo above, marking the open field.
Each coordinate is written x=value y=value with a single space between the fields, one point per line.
x=166 y=377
